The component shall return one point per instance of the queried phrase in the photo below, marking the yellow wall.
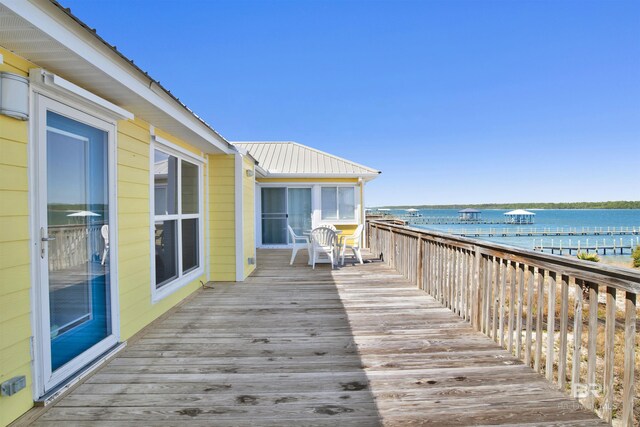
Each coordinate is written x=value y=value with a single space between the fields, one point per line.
x=346 y=228
x=248 y=215
x=222 y=254
x=134 y=250
x=133 y=241
x=15 y=277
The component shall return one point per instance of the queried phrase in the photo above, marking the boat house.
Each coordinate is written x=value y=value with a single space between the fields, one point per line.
x=519 y=216
x=469 y=215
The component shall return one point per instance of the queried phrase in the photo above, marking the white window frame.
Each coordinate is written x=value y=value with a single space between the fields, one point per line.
x=160 y=144
x=338 y=220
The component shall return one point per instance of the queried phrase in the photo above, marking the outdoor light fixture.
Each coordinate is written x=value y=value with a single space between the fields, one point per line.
x=249 y=172
x=14 y=96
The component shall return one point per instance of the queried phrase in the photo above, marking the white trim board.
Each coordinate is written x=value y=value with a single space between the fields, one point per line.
x=239 y=169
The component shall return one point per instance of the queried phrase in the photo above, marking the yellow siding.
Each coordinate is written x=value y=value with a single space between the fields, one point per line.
x=15 y=277
x=248 y=216
x=176 y=141
x=134 y=246
x=221 y=210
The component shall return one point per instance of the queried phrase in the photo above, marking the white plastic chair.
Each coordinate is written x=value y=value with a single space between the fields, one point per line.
x=355 y=246
x=297 y=246
x=323 y=242
x=104 y=231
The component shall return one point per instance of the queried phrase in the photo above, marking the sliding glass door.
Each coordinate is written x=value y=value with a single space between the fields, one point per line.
x=299 y=209
x=282 y=206
x=274 y=216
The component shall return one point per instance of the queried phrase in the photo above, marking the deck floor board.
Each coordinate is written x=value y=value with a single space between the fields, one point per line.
x=356 y=346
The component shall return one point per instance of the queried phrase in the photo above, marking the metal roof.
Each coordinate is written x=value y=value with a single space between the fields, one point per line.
x=519 y=212
x=287 y=158
x=469 y=210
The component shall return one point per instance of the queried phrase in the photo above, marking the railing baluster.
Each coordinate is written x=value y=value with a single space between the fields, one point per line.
x=495 y=298
x=520 y=299
x=486 y=295
x=609 y=352
x=475 y=295
x=592 y=342
x=628 y=391
x=512 y=296
x=564 y=321
x=539 y=318
x=551 y=325
x=531 y=274
x=503 y=286
x=577 y=338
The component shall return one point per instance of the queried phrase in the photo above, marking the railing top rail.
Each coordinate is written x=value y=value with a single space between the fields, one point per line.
x=622 y=278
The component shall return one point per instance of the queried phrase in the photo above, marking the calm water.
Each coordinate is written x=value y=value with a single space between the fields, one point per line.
x=545 y=218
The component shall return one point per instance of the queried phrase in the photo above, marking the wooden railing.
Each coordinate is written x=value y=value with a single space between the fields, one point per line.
x=74 y=245
x=573 y=321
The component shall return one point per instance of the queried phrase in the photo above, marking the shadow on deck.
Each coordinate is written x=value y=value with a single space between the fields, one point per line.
x=356 y=346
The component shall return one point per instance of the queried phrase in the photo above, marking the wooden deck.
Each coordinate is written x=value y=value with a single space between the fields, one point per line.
x=357 y=346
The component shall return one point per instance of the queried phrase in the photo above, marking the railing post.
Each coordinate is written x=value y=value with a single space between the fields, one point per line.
x=628 y=389
x=476 y=304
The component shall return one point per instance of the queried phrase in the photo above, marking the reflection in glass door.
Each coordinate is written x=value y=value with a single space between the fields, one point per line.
x=274 y=216
x=74 y=237
x=299 y=209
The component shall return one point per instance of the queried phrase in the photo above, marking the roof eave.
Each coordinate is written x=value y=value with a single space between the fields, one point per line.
x=363 y=176
x=62 y=26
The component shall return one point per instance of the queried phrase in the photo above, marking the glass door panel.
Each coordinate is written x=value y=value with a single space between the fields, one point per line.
x=77 y=236
x=274 y=216
x=299 y=209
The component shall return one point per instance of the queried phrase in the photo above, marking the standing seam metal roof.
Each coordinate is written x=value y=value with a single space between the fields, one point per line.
x=292 y=158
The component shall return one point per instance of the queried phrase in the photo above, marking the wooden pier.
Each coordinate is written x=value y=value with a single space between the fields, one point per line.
x=428 y=220
x=537 y=232
x=571 y=250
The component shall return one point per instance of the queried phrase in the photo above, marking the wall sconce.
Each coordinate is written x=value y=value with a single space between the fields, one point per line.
x=14 y=96
x=249 y=172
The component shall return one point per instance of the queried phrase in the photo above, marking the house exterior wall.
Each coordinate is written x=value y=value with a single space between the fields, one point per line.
x=221 y=202
x=134 y=220
x=347 y=227
x=15 y=269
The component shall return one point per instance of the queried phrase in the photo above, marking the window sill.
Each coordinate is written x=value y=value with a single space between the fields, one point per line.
x=158 y=295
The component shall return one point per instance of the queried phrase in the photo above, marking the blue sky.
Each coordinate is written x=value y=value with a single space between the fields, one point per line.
x=455 y=101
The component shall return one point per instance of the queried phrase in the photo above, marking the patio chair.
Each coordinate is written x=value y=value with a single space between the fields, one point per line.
x=323 y=242
x=296 y=246
x=355 y=244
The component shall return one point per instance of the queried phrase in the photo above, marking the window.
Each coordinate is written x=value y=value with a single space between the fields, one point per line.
x=177 y=217
x=338 y=203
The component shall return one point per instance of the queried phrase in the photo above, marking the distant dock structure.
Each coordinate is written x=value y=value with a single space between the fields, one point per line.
x=469 y=215
x=519 y=216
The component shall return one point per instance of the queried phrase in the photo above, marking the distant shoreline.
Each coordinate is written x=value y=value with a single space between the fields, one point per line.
x=620 y=204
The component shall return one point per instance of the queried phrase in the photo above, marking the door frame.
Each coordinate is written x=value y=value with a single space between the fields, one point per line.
x=258 y=210
x=44 y=380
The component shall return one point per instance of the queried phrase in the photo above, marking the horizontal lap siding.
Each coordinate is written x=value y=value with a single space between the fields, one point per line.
x=221 y=209
x=15 y=274
x=248 y=217
x=134 y=237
